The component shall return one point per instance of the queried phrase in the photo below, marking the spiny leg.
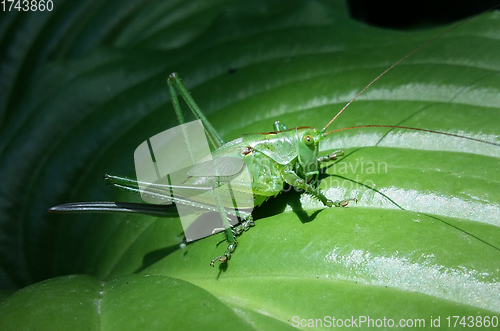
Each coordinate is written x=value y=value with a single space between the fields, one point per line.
x=237 y=230
x=175 y=81
x=330 y=157
x=293 y=179
x=330 y=203
x=271 y=187
x=343 y=203
x=217 y=141
x=232 y=243
x=231 y=239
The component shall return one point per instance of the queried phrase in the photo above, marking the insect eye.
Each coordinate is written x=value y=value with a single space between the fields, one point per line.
x=308 y=140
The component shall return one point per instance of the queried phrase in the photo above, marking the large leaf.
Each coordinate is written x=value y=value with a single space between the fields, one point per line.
x=422 y=241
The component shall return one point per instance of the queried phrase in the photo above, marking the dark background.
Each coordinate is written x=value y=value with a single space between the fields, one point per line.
x=416 y=14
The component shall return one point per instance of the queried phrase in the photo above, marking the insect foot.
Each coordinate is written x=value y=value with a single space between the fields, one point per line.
x=226 y=256
x=331 y=156
x=344 y=203
x=237 y=230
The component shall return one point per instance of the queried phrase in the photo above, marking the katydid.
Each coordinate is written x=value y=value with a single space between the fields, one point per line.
x=283 y=156
x=272 y=159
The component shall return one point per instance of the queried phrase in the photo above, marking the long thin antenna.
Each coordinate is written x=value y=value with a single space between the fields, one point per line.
x=404 y=58
x=410 y=128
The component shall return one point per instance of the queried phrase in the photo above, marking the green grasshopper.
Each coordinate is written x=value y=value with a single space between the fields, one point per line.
x=272 y=159
x=284 y=156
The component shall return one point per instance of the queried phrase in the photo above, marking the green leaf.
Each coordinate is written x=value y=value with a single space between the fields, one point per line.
x=127 y=302
x=89 y=85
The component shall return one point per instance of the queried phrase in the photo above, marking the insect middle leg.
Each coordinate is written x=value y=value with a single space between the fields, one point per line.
x=293 y=179
x=231 y=239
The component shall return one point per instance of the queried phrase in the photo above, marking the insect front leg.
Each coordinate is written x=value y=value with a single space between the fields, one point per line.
x=330 y=157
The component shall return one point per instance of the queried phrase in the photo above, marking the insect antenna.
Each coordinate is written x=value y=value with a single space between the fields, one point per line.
x=404 y=58
x=415 y=129
x=431 y=131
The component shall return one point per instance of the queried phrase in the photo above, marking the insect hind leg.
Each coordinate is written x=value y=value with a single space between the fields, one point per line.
x=175 y=82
